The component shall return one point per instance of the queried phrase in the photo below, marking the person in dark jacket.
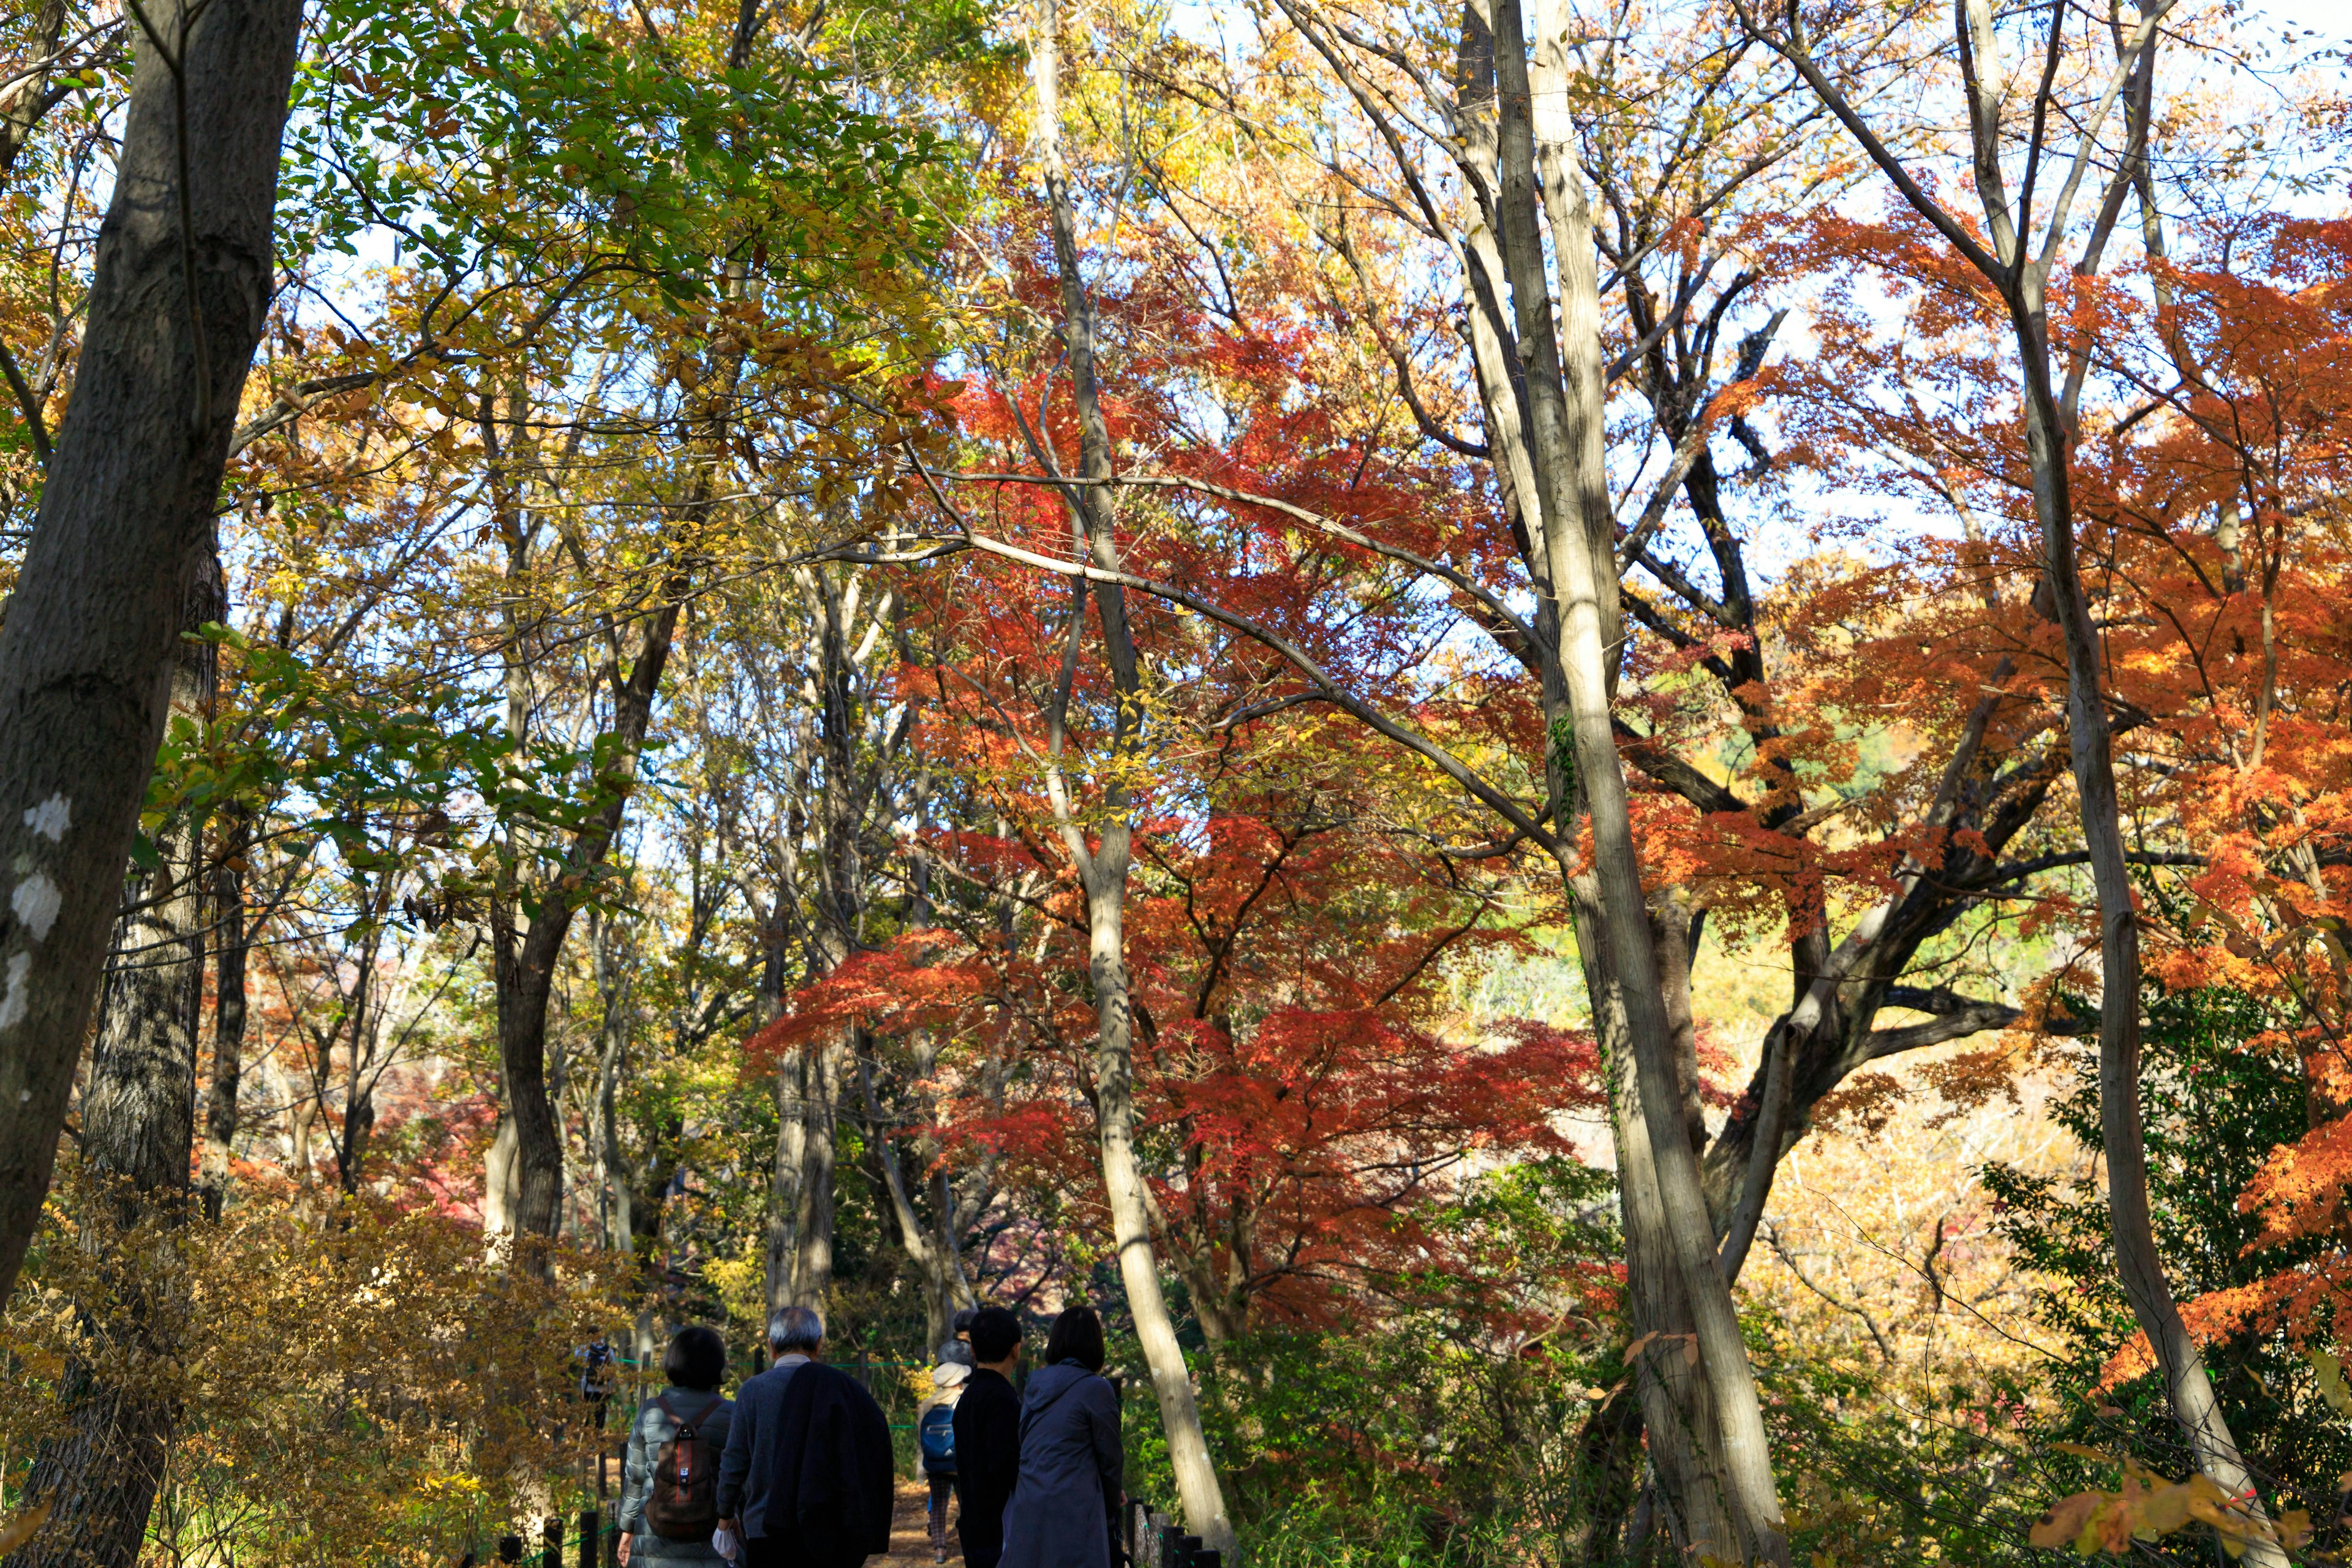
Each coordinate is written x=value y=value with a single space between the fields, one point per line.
x=806 y=1478
x=1065 y=1508
x=695 y=1366
x=988 y=1437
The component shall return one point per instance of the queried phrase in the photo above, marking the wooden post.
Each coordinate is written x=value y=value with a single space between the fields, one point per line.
x=551 y=1532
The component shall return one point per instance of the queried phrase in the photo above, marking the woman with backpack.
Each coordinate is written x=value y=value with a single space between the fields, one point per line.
x=1065 y=1507
x=935 y=1445
x=669 y=1491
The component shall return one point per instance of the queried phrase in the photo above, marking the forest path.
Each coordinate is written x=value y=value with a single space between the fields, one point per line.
x=910 y=1542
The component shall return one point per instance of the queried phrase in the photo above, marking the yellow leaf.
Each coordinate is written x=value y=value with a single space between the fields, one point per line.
x=2331 y=1381
x=2081 y=1451
x=2166 y=1510
x=2065 y=1519
x=20 y=1529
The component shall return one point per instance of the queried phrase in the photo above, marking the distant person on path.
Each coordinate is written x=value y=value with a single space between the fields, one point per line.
x=1065 y=1508
x=935 y=1445
x=988 y=1437
x=669 y=1483
x=957 y=1347
x=806 y=1478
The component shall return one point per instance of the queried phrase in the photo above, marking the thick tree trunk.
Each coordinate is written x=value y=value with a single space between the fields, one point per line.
x=1579 y=527
x=138 y=1132
x=176 y=304
x=800 y=1199
x=1676 y=1406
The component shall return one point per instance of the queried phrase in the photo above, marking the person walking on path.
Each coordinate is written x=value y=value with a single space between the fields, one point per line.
x=1065 y=1507
x=670 y=1482
x=806 y=1480
x=958 y=1345
x=988 y=1437
x=935 y=1444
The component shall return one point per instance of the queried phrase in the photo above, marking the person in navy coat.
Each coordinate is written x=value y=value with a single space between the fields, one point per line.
x=1065 y=1507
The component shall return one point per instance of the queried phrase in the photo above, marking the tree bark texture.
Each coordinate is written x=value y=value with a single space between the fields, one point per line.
x=800 y=1201
x=182 y=283
x=138 y=1132
x=231 y=941
x=1676 y=1408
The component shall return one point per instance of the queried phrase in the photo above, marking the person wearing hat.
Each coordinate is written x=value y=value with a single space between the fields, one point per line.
x=935 y=1442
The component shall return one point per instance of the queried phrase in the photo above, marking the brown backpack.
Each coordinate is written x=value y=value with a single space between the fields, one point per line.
x=682 y=1499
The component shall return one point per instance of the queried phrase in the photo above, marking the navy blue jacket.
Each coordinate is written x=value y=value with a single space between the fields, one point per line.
x=749 y=1462
x=1065 y=1509
x=808 y=1467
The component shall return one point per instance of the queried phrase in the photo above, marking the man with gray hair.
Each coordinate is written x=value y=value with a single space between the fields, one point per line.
x=805 y=1482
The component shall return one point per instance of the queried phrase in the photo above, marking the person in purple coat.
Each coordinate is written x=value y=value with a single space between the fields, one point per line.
x=1065 y=1507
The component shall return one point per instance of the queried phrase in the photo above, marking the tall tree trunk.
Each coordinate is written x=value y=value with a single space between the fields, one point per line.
x=785 y=1176
x=525 y=960
x=182 y=283
x=1579 y=525
x=1676 y=1405
x=231 y=938
x=1103 y=870
x=1188 y=1445
x=138 y=1133
x=2090 y=741
x=800 y=1194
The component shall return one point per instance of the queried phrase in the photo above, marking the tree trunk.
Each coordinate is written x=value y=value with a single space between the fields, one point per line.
x=2090 y=741
x=1103 y=870
x=525 y=960
x=138 y=1132
x=499 y=1178
x=1578 y=526
x=800 y=1198
x=230 y=940
x=176 y=304
x=1155 y=1326
x=1676 y=1405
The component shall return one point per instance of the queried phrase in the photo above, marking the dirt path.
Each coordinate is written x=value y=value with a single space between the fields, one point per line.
x=910 y=1543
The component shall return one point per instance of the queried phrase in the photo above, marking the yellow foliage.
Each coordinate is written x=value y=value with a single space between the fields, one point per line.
x=361 y=1385
x=2150 y=1507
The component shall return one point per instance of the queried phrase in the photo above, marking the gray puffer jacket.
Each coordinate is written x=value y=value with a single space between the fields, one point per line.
x=652 y=1428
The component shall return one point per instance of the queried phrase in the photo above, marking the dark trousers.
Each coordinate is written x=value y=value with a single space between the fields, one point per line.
x=942 y=1488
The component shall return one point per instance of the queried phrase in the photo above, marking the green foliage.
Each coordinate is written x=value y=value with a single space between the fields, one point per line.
x=432 y=785
x=2215 y=1104
x=478 y=132
x=1445 y=1428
